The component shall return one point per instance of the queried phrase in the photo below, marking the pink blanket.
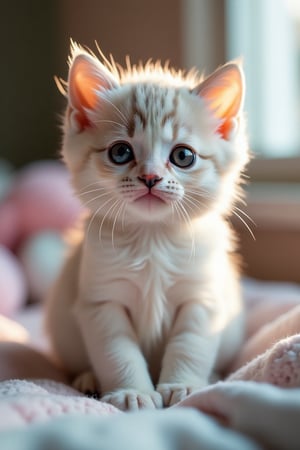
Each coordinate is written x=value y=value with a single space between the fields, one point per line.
x=271 y=354
x=24 y=402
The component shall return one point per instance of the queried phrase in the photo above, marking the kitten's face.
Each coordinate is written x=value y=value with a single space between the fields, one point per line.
x=149 y=151
x=150 y=158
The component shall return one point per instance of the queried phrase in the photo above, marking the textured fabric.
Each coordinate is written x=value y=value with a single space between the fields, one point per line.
x=25 y=402
x=179 y=429
x=268 y=414
x=279 y=365
x=38 y=415
x=257 y=417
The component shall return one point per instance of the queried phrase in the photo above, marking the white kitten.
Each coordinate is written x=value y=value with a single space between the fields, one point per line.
x=149 y=300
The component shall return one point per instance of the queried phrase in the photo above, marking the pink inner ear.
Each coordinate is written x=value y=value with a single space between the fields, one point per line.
x=87 y=77
x=225 y=129
x=224 y=91
x=78 y=119
x=85 y=85
x=224 y=100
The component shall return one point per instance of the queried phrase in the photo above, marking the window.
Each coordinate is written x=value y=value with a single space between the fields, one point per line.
x=266 y=34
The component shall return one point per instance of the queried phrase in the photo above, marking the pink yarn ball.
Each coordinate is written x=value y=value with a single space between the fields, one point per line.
x=44 y=198
x=10 y=226
x=13 y=289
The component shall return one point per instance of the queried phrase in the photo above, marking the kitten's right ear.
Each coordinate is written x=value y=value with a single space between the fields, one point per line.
x=223 y=92
x=87 y=78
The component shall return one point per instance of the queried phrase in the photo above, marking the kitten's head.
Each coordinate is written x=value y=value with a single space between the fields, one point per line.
x=151 y=144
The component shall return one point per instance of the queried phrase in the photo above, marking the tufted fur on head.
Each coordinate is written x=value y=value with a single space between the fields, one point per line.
x=154 y=111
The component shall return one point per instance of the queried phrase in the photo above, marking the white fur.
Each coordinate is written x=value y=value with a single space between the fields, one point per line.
x=149 y=300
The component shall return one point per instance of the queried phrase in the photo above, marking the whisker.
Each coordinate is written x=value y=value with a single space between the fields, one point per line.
x=184 y=214
x=245 y=214
x=90 y=191
x=240 y=197
x=111 y=121
x=193 y=249
x=245 y=223
x=183 y=207
x=105 y=216
x=96 y=213
x=89 y=185
x=123 y=215
x=120 y=114
x=115 y=221
x=177 y=210
x=96 y=198
x=92 y=220
x=194 y=201
x=173 y=212
x=201 y=192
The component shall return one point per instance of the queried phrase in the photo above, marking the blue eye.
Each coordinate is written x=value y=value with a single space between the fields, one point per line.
x=121 y=153
x=182 y=157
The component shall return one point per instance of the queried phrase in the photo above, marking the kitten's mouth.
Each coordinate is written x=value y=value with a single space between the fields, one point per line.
x=149 y=200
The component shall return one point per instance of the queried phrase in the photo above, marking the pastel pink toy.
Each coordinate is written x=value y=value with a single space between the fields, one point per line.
x=44 y=198
x=36 y=207
x=13 y=286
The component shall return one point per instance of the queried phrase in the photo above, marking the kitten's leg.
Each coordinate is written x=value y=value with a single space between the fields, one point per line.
x=115 y=356
x=60 y=323
x=190 y=354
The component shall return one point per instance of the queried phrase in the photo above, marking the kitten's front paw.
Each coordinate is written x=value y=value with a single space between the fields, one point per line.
x=130 y=399
x=87 y=383
x=173 y=393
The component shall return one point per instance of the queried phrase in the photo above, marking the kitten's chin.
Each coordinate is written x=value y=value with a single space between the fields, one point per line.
x=149 y=201
x=150 y=207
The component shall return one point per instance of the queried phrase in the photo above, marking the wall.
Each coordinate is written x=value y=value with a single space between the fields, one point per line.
x=142 y=29
x=35 y=39
x=28 y=108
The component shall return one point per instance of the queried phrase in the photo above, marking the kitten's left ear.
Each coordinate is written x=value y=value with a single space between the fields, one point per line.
x=87 y=78
x=223 y=92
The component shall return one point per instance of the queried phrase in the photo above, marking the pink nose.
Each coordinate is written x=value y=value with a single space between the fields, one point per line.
x=150 y=179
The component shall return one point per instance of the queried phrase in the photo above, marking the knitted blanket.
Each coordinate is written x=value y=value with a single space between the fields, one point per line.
x=237 y=415
x=256 y=414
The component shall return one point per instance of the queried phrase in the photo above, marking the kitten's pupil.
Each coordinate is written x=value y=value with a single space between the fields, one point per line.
x=182 y=157
x=121 y=153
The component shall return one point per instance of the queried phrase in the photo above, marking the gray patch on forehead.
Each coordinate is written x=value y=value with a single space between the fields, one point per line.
x=151 y=105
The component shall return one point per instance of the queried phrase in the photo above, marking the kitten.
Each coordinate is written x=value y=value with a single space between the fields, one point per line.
x=149 y=300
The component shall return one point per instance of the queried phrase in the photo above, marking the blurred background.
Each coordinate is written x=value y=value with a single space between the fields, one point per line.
x=35 y=39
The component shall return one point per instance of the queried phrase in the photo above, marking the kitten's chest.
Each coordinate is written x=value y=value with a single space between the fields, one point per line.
x=149 y=260
x=154 y=308
x=137 y=273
